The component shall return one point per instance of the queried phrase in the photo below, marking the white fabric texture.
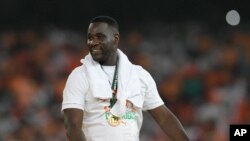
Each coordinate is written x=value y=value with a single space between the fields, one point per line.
x=128 y=82
x=79 y=93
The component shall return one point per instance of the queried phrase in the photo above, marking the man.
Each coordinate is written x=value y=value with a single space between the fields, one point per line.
x=103 y=99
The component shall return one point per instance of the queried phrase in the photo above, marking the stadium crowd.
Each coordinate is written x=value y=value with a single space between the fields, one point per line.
x=202 y=75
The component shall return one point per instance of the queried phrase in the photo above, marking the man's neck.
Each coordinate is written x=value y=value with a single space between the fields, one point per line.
x=110 y=61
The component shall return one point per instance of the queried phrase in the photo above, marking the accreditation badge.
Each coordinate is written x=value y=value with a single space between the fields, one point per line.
x=114 y=120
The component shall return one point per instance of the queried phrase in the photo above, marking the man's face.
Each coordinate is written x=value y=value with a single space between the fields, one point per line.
x=101 y=41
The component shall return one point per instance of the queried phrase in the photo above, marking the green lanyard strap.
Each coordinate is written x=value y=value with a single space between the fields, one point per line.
x=114 y=84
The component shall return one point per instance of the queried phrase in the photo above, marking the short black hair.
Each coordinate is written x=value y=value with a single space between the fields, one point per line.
x=106 y=19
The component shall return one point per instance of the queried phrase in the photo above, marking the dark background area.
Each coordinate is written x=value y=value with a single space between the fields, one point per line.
x=76 y=13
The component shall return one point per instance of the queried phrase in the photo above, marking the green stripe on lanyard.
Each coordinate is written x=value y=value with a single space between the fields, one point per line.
x=114 y=84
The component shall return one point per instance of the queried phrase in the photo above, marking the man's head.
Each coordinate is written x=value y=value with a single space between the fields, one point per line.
x=103 y=39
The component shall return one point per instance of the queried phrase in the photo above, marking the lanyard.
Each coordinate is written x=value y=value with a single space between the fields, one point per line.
x=114 y=84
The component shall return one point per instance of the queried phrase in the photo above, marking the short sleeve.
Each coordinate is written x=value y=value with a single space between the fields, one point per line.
x=75 y=89
x=152 y=98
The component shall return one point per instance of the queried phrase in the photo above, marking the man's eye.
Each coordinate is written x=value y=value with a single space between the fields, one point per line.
x=100 y=36
x=90 y=38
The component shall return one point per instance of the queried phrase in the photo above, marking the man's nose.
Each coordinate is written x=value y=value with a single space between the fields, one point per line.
x=94 y=42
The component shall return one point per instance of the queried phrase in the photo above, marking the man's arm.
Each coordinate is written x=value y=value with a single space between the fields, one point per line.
x=73 y=124
x=169 y=123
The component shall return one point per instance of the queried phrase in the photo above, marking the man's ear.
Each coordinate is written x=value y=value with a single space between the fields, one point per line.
x=117 y=38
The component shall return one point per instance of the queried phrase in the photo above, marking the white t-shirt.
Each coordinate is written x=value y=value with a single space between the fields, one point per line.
x=76 y=94
x=109 y=71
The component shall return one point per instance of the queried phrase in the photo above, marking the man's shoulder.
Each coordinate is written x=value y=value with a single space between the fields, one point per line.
x=79 y=70
x=141 y=71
